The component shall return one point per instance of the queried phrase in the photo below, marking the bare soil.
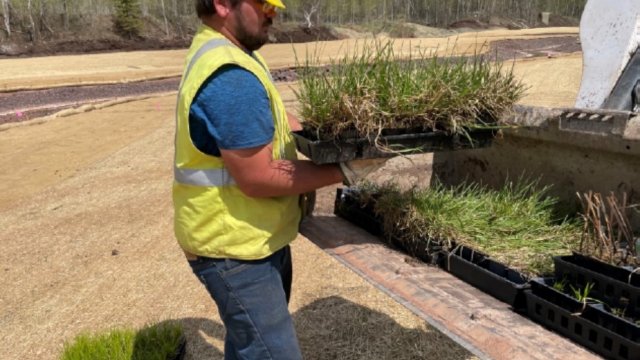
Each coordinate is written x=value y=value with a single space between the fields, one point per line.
x=26 y=105
x=528 y=48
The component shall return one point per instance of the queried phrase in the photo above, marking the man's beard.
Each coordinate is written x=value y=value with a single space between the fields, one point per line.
x=253 y=42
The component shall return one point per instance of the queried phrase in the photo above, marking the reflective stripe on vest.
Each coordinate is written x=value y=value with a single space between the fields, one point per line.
x=208 y=177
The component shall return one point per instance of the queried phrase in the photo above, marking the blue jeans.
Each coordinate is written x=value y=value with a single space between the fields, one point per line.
x=252 y=298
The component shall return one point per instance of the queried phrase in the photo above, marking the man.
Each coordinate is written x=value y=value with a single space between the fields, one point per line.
x=237 y=180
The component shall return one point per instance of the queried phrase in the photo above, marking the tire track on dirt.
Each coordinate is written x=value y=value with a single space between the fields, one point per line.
x=26 y=105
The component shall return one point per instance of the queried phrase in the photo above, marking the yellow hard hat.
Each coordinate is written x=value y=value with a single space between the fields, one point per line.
x=276 y=3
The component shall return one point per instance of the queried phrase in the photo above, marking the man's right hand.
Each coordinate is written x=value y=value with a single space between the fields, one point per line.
x=356 y=170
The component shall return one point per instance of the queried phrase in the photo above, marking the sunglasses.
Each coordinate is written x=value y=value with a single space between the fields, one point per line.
x=267 y=8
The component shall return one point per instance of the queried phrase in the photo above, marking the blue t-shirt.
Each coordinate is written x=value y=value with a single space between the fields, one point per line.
x=230 y=111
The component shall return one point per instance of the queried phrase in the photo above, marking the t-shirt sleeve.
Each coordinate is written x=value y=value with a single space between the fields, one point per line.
x=231 y=111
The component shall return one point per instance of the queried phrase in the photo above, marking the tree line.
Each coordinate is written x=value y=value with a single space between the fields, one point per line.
x=437 y=13
x=45 y=19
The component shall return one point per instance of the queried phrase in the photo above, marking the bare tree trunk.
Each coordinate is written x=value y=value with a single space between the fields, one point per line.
x=145 y=8
x=42 y=18
x=6 y=16
x=307 y=13
x=164 y=16
x=384 y=9
x=65 y=14
x=32 y=24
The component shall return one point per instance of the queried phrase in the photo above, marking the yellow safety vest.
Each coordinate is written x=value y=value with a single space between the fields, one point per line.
x=213 y=217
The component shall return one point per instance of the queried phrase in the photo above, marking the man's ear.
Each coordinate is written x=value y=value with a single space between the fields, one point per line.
x=223 y=7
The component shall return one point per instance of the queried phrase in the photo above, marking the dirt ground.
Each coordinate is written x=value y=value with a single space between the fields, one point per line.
x=25 y=105
x=86 y=215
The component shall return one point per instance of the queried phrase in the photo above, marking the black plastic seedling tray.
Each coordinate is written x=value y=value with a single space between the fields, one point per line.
x=492 y=277
x=616 y=286
x=348 y=207
x=428 y=251
x=590 y=325
x=334 y=151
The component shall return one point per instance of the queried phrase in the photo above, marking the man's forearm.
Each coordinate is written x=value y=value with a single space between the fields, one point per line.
x=291 y=177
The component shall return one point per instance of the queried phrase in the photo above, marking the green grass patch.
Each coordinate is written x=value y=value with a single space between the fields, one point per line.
x=375 y=89
x=155 y=342
x=515 y=225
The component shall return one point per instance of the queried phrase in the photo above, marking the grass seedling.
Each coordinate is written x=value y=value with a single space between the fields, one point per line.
x=619 y=312
x=560 y=285
x=582 y=295
x=157 y=342
x=373 y=90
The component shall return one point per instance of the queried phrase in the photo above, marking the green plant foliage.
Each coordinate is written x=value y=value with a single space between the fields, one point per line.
x=157 y=342
x=516 y=224
x=395 y=29
x=619 y=312
x=582 y=294
x=128 y=18
x=375 y=90
x=432 y=12
x=560 y=285
x=73 y=16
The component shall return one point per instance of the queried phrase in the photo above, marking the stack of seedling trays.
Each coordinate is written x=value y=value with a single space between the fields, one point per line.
x=616 y=286
x=606 y=319
x=472 y=266
x=347 y=205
